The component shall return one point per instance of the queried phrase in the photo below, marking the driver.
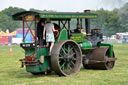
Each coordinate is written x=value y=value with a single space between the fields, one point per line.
x=49 y=29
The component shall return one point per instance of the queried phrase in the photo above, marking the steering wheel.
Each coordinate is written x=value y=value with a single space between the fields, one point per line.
x=56 y=34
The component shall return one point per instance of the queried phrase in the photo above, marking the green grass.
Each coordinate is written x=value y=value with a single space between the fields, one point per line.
x=12 y=74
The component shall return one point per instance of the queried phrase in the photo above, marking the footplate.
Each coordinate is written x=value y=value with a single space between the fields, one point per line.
x=27 y=63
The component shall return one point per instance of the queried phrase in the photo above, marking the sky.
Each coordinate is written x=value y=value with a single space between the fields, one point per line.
x=63 y=5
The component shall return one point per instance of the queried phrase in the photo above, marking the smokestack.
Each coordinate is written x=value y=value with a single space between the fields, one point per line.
x=87 y=22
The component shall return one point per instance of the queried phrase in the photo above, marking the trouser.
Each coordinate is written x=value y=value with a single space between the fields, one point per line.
x=41 y=41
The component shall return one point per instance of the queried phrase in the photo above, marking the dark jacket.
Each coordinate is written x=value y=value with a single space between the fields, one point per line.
x=40 y=29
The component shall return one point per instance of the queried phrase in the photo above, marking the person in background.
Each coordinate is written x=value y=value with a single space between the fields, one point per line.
x=49 y=29
x=40 y=29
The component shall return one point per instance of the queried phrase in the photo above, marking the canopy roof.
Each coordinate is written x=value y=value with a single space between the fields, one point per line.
x=54 y=15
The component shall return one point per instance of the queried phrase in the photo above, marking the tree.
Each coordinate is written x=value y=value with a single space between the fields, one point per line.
x=12 y=10
x=124 y=17
x=108 y=21
x=6 y=21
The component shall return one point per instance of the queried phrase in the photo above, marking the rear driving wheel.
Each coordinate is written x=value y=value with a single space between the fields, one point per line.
x=66 y=58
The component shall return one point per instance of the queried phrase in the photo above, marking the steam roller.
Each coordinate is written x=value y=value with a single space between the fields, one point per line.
x=74 y=43
x=99 y=58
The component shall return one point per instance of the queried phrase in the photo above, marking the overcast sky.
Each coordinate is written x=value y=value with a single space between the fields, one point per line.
x=63 y=5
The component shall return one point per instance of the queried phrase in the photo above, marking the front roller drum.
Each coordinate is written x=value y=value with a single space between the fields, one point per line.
x=99 y=59
x=66 y=58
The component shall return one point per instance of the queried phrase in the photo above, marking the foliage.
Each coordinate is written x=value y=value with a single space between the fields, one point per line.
x=31 y=9
x=124 y=17
x=6 y=21
x=108 y=21
x=111 y=22
x=12 y=10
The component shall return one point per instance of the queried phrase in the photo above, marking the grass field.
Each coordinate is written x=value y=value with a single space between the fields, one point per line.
x=12 y=74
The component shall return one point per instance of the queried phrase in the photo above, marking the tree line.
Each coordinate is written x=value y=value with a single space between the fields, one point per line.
x=110 y=22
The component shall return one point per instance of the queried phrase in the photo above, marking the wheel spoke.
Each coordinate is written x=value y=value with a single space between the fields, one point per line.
x=66 y=48
x=62 y=66
x=69 y=47
x=64 y=51
x=74 y=59
x=60 y=56
x=70 y=68
x=70 y=50
x=73 y=54
x=72 y=62
x=67 y=69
